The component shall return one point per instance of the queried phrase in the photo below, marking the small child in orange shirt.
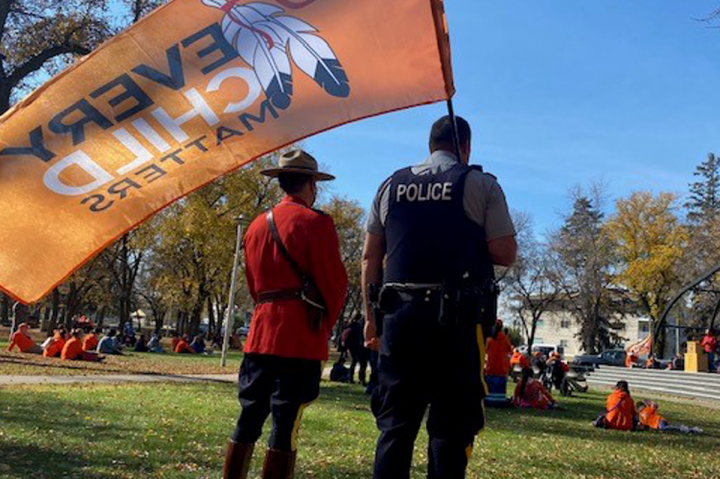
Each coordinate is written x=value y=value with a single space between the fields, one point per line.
x=649 y=418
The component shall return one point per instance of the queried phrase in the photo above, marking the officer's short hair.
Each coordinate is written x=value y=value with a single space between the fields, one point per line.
x=441 y=134
x=293 y=183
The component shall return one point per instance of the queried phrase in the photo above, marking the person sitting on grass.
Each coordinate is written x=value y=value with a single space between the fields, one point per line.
x=530 y=393
x=91 y=339
x=52 y=347
x=175 y=340
x=649 y=418
x=141 y=344
x=620 y=410
x=183 y=347
x=339 y=372
x=154 y=345
x=73 y=349
x=198 y=345
x=109 y=344
x=22 y=340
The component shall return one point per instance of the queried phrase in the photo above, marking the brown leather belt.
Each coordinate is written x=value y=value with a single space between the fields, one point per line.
x=280 y=295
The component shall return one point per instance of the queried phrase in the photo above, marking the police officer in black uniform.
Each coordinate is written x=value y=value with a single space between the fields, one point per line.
x=433 y=235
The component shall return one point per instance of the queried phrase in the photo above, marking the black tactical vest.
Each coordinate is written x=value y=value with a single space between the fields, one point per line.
x=429 y=238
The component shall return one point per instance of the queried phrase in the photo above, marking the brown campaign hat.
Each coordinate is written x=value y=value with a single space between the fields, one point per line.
x=300 y=162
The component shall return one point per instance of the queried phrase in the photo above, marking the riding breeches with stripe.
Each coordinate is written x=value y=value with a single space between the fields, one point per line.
x=279 y=386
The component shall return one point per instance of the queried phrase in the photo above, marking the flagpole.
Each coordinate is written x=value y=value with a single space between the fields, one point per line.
x=230 y=315
x=456 y=135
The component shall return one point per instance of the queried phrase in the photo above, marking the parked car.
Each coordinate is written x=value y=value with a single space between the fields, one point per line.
x=610 y=357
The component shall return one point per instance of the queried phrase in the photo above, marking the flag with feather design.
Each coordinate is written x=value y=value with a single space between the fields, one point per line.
x=170 y=105
x=267 y=38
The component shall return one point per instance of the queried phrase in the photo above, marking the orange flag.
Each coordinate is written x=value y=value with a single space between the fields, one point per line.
x=197 y=89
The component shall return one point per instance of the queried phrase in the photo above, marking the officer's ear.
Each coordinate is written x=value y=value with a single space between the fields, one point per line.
x=465 y=152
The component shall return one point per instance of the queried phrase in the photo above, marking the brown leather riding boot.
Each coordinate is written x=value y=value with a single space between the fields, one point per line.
x=237 y=460
x=279 y=464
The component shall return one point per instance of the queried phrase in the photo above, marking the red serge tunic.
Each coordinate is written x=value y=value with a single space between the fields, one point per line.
x=281 y=328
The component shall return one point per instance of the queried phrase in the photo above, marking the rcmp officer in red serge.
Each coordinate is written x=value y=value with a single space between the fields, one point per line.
x=298 y=281
x=433 y=235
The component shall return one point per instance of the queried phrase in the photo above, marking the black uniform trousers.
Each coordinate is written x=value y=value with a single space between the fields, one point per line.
x=359 y=357
x=279 y=386
x=425 y=364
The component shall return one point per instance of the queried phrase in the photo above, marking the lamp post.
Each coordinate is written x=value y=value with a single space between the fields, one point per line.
x=230 y=315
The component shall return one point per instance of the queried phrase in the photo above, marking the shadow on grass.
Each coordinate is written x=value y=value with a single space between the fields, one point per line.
x=58 y=365
x=24 y=461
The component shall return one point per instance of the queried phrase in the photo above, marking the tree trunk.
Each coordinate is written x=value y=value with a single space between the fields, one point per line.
x=159 y=315
x=55 y=313
x=125 y=294
x=21 y=315
x=46 y=320
x=5 y=318
x=211 y=316
x=100 y=317
x=181 y=322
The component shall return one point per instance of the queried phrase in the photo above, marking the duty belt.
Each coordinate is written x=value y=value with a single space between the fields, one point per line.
x=413 y=291
x=294 y=294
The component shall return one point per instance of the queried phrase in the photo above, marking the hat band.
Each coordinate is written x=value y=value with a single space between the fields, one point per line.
x=299 y=168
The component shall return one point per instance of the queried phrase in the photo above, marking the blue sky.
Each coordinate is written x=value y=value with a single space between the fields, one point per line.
x=560 y=93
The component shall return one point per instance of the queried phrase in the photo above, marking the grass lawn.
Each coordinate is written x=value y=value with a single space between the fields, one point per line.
x=179 y=431
x=130 y=363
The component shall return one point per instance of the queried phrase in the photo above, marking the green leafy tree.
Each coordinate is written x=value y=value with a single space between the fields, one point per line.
x=704 y=202
x=349 y=218
x=584 y=252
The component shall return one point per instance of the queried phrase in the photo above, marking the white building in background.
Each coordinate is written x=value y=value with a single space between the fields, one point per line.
x=561 y=328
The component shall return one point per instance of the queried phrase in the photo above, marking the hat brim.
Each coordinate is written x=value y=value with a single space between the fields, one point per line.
x=318 y=175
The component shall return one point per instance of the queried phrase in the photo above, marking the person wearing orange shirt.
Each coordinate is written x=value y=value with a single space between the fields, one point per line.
x=183 y=346
x=73 y=347
x=631 y=360
x=649 y=418
x=497 y=366
x=91 y=341
x=174 y=341
x=648 y=415
x=620 y=409
x=22 y=340
x=53 y=346
x=519 y=359
x=530 y=393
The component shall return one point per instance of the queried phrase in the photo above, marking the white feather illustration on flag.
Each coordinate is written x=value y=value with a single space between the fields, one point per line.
x=266 y=38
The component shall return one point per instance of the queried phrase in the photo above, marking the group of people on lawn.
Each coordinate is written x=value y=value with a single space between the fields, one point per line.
x=624 y=414
x=72 y=345
x=85 y=344
x=501 y=358
x=621 y=413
